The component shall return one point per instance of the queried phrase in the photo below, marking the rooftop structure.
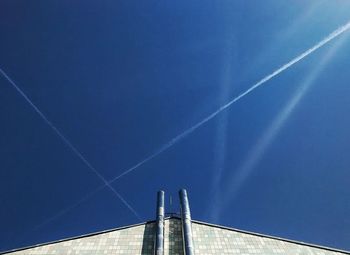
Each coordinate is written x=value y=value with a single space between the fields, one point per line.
x=175 y=235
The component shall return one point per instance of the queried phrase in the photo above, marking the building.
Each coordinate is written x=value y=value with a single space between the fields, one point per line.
x=175 y=235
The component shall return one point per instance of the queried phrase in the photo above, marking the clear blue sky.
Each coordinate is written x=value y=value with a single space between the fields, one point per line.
x=121 y=78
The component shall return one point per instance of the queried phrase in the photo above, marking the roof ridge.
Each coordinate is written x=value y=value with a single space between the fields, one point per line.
x=271 y=237
x=179 y=218
x=77 y=237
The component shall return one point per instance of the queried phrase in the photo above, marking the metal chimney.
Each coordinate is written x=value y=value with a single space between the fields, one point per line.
x=186 y=223
x=159 y=242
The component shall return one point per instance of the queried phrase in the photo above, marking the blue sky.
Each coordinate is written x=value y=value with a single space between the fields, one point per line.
x=122 y=78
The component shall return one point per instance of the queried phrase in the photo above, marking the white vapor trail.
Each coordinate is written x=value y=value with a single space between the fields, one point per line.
x=176 y=139
x=69 y=144
x=240 y=176
x=24 y=236
x=69 y=208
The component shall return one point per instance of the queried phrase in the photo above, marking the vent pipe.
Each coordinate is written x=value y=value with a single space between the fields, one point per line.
x=186 y=223
x=159 y=242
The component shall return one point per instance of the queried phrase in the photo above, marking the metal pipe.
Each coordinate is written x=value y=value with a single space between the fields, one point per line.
x=186 y=223
x=159 y=242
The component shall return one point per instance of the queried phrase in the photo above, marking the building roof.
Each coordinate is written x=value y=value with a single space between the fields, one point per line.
x=208 y=239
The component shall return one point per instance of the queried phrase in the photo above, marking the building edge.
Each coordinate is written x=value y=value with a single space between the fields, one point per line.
x=179 y=218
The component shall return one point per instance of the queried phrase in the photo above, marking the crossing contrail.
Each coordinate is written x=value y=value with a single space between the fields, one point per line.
x=69 y=144
x=295 y=60
x=176 y=139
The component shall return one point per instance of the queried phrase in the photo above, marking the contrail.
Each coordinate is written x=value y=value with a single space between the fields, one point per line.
x=69 y=144
x=239 y=177
x=176 y=139
x=69 y=208
x=59 y=214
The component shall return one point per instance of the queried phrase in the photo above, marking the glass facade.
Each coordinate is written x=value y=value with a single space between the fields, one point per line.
x=173 y=237
x=215 y=240
x=132 y=240
x=208 y=240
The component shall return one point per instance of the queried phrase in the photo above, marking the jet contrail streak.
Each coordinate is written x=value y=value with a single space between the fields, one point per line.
x=69 y=208
x=69 y=144
x=330 y=37
x=23 y=236
x=176 y=139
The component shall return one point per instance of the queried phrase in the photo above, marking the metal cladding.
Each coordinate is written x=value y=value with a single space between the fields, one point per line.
x=186 y=223
x=159 y=242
